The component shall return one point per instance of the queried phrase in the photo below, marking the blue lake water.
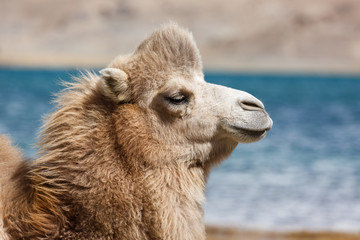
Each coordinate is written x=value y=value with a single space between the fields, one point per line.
x=304 y=175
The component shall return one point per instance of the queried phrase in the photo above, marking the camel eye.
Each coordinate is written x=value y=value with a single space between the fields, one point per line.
x=178 y=99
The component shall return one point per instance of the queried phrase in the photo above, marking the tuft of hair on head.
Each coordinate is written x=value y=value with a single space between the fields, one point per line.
x=115 y=84
x=172 y=45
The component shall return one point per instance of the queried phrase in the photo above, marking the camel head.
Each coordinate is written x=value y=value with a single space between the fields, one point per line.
x=163 y=78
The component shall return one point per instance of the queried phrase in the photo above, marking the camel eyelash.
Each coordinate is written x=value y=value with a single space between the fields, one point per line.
x=178 y=99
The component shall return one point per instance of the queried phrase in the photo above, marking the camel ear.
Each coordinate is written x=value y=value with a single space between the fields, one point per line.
x=115 y=84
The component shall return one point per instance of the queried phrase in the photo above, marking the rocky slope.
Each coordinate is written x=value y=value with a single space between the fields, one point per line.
x=238 y=35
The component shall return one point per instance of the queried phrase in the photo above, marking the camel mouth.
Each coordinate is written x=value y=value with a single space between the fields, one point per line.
x=246 y=135
x=255 y=133
x=248 y=128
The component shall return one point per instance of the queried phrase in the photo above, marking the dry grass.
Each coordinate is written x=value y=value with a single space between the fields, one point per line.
x=223 y=233
x=322 y=236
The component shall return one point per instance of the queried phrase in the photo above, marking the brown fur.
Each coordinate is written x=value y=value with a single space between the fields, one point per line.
x=111 y=169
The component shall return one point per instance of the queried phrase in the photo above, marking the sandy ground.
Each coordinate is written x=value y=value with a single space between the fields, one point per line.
x=221 y=233
x=235 y=35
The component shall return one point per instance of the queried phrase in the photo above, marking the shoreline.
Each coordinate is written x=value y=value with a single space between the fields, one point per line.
x=232 y=233
x=79 y=63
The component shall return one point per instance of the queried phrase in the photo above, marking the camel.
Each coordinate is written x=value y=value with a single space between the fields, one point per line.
x=127 y=152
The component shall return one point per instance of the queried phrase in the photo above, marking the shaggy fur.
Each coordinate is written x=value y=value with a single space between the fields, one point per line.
x=114 y=162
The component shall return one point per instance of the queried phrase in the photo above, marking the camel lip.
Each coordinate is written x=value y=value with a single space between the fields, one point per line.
x=250 y=132
x=254 y=133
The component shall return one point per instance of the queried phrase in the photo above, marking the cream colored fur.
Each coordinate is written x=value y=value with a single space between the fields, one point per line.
x=127 y=153
x=10 y=159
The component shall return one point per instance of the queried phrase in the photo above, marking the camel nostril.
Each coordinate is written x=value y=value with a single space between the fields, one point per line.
x=251 y=106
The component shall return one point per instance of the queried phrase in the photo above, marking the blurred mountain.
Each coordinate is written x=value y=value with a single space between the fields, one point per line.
x=238 y=35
